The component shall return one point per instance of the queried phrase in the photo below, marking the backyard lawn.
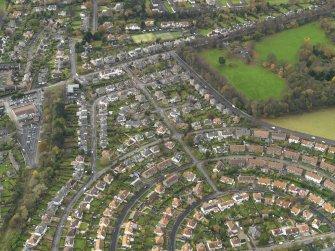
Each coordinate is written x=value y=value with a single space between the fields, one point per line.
x=285 y=45
x=253 y=81
x=319 y=123
x=151 y=37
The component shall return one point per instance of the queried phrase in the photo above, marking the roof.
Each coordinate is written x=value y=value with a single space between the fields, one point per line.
x=26 y=109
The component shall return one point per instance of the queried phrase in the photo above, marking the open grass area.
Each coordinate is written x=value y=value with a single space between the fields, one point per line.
x=253 y=81
x=2 y=4
x=151 y=37
x=319 y=123
x=285 y=45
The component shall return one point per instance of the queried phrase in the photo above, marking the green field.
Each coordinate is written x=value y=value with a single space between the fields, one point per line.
x=253 y=81
x=285 y=45
x=151 y=37
x=319 y=123
x=2 y=5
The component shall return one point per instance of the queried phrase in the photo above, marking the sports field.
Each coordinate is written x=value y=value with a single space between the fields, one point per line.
x=285 y=45
x=151 y=37
x=253 y=81
x=319 y=123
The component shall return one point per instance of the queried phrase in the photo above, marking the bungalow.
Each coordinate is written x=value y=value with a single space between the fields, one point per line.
x=294 y=170
x=261 y=134
x=292 y=231
x=274 y=150
x=313 y=177
x=114 y=204
x=291 y=155
x=307 y=214
x=294 y=139
x=159 y=189
x=214 y=245
x=227 y=180
x=280 y=136
x=123 y=194
x=168 y=211
x=264 y=181
x=303 y=228
x=309 y=160
x=108 y=178
x=329 y=184
x=316 y=199
x=326 y=166
x=328 y=208
x=277 y=232
x=101 y=185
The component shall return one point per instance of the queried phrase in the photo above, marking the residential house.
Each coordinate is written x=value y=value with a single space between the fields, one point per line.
x=313 y=177
x=291 y=155
x=261 y=134
x=294 y=170
x=309 y=160
x=316 y=199
x=329 y=184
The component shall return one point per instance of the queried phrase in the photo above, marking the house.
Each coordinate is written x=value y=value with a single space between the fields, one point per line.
x=237 y=162
x=99 y=245
x=274 y=150
x=208 y=207
x=224 y=205
x=328 y=208
x=164 y=221
x=189 y=176
x=307 y=214
x=123 y=194
x=326 y=166
x=292 y=189
x=101 y=233
x=236 y=242
x=291 y=155
x=309 y=160
x=126 y=241
x=227 y=180
x=159 y=231
x=191 y=224
x=187 y=233
x=294 y=170
x=159 y=189
x=257 y=163
x=307 y=143
x=316 y=199
x=329 y=184
x=313 y=177
x=175 y=203
x=295 y=211
x=277 y=232
x=213 y=245
x=261 y=134
x=279 y=184
x=331 y=150
x=237 y=148
x=246 y=179
x=239 y=198
x=282 y=203
x=280 y=136
x=320 y=147
x=276 y=165
x=108 y=178
x=316 y=224
x=149 y=172
x=186 y=247
x=171 y=180
x=254 y=232
x=294 y=139
x=218 y=166
x=257 y=149
x=200 y=247
x=258 y=197
x=292 y=231
x=264 y=181
x=303 y=228
x=69 y=241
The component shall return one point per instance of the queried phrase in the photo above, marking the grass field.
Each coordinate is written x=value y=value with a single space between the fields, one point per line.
x=2 y=5
x=151 y=37
x=285 y=44
x=253 y=81
x=319 y=123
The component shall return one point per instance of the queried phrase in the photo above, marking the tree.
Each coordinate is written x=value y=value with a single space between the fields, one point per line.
x=222 y=60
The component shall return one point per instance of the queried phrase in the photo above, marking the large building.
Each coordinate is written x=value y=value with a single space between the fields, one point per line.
x=24 y=114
